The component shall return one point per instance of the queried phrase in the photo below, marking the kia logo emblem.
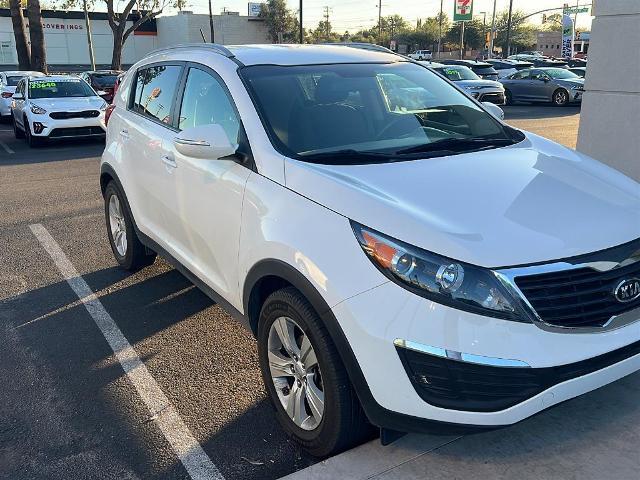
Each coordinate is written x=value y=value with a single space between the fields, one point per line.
x=628 y=290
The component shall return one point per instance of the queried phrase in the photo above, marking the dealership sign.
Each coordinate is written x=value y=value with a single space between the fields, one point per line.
x=463 y=11
x=567 y=36
x=254 y=9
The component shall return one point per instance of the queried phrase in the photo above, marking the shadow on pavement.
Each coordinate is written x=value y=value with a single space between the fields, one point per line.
x=70 y=412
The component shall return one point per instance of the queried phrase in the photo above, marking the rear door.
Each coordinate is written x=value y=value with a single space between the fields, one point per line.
x=146 y=130
x=518 y=85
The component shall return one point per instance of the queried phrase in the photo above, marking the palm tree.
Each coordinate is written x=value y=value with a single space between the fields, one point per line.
x=36 y=32
x=20 y=34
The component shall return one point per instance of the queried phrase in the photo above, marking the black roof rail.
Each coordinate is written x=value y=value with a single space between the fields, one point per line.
x=214 y=47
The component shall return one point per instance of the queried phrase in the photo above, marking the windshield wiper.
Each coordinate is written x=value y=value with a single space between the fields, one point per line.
x=346 y=157
x=457 y=145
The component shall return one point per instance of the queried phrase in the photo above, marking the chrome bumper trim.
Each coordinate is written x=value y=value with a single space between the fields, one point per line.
x=459 y=356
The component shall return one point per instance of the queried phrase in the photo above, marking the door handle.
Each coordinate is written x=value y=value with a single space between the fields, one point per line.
x=124 y=133
x=169 y=161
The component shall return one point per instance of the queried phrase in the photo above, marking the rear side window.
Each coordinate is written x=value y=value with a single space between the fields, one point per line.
x=155 y=90
x=521 y=75
x=205 y=101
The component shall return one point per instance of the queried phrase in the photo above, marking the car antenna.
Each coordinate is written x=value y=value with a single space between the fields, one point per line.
x=204 y=40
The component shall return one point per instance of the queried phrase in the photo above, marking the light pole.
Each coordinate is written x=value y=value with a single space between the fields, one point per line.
x=380 y=22
x=493 y=29
x=211 y=20
x=301 y=29
x=484 y=32
x=509 y=28
x=440 y=31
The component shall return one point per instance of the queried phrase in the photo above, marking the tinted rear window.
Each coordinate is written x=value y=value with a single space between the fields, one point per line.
x=13 y=81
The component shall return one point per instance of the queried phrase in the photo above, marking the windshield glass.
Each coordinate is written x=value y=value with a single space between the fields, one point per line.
x=378 y=110
x=58 y=88
x=104 y=80
x=458 y=73
x=560 y=73
x=13 y=81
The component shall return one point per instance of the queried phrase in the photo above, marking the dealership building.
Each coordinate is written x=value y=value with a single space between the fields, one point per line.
x=68 y=50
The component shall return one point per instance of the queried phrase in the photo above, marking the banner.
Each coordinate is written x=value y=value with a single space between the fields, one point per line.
x=567 y=36
x=463 y=11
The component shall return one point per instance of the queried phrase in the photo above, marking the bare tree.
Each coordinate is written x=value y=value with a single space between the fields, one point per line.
x=20 y=34
x=36 y=33
x=146 y=10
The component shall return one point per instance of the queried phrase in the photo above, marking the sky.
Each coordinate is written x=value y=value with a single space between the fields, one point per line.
x=355 y=15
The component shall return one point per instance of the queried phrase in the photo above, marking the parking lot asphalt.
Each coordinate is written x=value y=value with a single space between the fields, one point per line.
x=68 y=408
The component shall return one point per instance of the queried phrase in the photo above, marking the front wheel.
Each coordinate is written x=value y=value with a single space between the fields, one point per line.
x=508 y=97
x=305 y=378
x=16 y=131
x=129 y=252
x=560 y=97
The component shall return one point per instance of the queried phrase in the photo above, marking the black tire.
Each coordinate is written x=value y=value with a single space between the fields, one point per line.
x=343 y=423
x=16 y=130
x=136 y=255
x=508 y=97
x=560 y=97
x=32 y=141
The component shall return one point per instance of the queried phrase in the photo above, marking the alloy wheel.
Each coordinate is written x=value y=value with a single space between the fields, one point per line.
x=118 y=226
x=561 y=97
x=295 y=373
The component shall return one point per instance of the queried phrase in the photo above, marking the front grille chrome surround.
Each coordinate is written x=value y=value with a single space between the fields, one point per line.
x=598 y=311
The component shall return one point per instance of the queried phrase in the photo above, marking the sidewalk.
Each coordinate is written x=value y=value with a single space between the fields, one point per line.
x=593 y=437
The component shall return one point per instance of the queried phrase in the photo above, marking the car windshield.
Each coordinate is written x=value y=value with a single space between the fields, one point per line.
x=59 y=88
x=560 y=73
x=104 y=80
x=365 y=113
x=13 y=81
x=455 y=73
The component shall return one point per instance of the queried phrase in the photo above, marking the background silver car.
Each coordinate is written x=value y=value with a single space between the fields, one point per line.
x=549 y=84
x=464 y=77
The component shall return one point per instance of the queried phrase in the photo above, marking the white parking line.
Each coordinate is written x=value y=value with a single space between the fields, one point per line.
x=6 y=147
x=189 y=451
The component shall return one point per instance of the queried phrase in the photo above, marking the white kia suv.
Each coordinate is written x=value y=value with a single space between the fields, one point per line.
x=56 y=106
x=402 y=256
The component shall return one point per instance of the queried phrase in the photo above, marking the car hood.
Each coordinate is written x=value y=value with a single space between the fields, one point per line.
x=68 y=104
x=479 y=83
x=531 y=202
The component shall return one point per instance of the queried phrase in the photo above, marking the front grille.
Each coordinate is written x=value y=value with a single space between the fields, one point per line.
x=497 y=98
x=67 y=115
x=581 y=297
x=76 y=132
x=457 y=385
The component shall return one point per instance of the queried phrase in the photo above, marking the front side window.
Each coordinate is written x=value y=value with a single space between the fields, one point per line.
x=561 y=73
x=205 y=101
x=59 y=88
x=155 y=90
x=521 y=75
x=355 y=113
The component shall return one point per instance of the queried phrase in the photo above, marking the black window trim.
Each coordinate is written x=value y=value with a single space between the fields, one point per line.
x=172 y=125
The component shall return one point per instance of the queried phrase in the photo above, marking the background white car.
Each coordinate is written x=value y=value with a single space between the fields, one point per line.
x=8 y=83
x=421 y=55
x=56 y=107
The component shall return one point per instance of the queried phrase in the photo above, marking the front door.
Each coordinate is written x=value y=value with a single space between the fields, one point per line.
x=210 y=191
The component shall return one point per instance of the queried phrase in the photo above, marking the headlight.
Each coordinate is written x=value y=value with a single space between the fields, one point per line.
x=443 y=280
x=37 y=110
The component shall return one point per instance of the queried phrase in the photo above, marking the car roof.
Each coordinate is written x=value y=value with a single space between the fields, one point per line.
x=53 y=77
x=509 y=61
x=284 y=54
x=289 y=54
x=24 y=73
x=468 y=63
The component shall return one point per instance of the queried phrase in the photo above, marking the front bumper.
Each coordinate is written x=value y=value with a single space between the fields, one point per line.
x=45 y=126
x=560 y=366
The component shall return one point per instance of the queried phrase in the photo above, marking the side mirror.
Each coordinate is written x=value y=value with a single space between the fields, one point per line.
x=494 y=110
x=17 y=96
x=205 y=141
x=102 y=92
